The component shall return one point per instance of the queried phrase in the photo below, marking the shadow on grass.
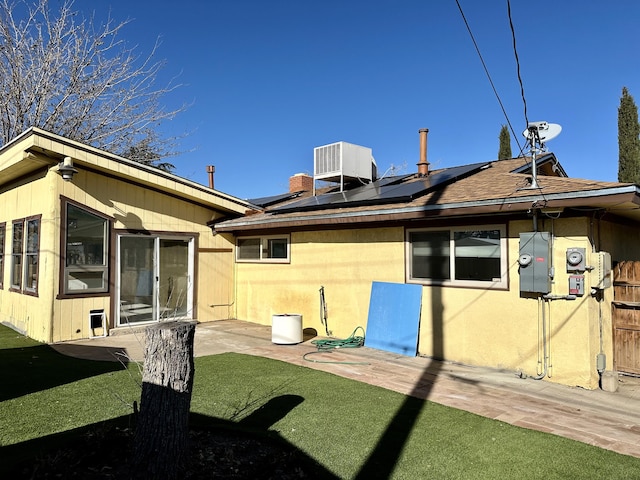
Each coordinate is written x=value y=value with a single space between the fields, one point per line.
x=271 y=412
x=247 y=449
x=33 y=368
x=33 y=452
x=382 y=461
x=384 y=458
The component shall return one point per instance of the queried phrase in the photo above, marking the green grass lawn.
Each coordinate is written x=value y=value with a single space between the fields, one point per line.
x=352 y=429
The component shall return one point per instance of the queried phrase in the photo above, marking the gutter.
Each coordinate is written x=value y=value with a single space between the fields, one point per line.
x=275 y=221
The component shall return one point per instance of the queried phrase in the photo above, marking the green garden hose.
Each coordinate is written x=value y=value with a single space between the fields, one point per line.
x=328 y=345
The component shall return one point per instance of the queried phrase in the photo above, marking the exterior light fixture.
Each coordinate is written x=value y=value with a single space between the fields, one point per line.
x=66 y=169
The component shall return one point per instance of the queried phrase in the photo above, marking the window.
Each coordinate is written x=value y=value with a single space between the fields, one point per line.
x=16 y=255
x=3 y=231
x=25 y=253
x=85 y=252
x=31 y=255
x=274 y=249
x=466 y=256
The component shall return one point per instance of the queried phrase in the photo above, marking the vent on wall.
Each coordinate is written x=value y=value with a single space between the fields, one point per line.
x=343 y=162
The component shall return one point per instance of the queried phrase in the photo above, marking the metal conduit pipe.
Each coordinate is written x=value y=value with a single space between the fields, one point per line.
x=544 y=342
x=559 y=297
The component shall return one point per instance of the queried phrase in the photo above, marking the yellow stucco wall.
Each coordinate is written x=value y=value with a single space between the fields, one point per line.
x=133 y=206
x=137 y=208
x=344 y=262
x=504 y=329
x=494 y=328
x=215 y=288
x=28 y=313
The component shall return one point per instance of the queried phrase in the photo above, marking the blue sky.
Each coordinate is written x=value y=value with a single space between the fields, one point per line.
x=270 y=80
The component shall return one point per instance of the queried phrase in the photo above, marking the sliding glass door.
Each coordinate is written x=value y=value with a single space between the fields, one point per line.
x=174 y=277
x=154 y=280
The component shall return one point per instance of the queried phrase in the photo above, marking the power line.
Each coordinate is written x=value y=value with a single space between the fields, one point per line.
x=515 y=52
x=486 y=71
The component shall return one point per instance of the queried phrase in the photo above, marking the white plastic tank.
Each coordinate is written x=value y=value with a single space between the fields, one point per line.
x=286 y=328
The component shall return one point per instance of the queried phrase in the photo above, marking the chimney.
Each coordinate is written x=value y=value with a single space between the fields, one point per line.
x=211 y=170
x=300 y=182
x=423 y=165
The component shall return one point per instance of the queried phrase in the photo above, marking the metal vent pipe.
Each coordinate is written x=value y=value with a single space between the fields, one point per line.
x=423 y=165
x=211 y=170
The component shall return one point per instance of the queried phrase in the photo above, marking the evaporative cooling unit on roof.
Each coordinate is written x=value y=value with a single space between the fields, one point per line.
x=342 y=162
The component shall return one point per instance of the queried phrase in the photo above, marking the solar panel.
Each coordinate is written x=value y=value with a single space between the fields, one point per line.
x=390 y=189
x=357 y=194
x=308 y=203
x=411 y=190
x=266 y=201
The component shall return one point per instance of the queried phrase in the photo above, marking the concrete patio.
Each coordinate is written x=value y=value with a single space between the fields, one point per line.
x=605 y=419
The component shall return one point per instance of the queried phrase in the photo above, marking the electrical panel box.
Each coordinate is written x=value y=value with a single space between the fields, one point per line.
x=601 y=273
x=576 y=259
x=576 y=285
x=534 y=260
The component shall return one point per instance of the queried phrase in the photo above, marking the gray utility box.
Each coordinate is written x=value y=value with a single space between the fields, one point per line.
x=535 y=252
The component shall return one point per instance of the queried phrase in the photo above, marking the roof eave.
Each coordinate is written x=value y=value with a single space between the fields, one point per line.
x=603 y=198
x=41 y=141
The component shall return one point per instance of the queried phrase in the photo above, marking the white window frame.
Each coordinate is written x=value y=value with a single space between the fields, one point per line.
x=264 y=249
x=496 y=283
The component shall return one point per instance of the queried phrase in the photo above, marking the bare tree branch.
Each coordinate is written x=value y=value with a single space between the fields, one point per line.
x=65 y=73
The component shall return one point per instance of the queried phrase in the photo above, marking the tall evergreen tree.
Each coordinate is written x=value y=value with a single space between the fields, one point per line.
x=628 y=140
x=505 y=144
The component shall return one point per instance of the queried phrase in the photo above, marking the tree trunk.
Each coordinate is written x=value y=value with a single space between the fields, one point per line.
x=162 y=430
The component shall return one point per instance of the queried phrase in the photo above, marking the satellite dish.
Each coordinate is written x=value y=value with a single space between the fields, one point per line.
x=541 y=131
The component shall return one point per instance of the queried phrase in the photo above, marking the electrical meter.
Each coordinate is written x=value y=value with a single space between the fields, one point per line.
x=576 y=259
x=525 y=259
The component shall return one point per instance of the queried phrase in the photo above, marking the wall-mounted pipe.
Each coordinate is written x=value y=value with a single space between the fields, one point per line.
x=559 y=297
x=544 y=342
